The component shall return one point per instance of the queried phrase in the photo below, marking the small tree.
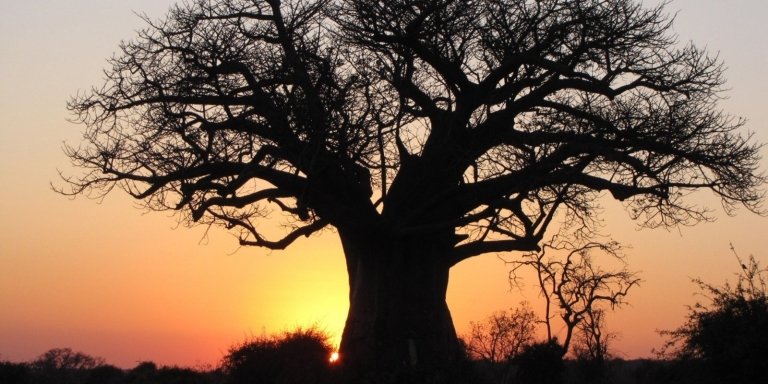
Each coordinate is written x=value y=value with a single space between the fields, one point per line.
x=63 y=365
x=575 y=284
x=591 y=347
x=502 y=336
x=591 y=342
x=66 y=359
x=730 y=335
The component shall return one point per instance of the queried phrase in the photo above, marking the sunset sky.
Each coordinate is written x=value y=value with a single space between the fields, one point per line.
x=111 y=280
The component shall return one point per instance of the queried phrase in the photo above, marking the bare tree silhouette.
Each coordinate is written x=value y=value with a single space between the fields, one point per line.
x=426 y=132
x=592 y=348
x=502 y=336
x=574 y=286
x=500 y=339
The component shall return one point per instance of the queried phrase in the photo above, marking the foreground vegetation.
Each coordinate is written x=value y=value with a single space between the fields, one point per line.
x=302 y=357
x=723 y=341
x=294 y=371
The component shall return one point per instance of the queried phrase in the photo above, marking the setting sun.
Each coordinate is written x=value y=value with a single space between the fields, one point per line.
x=334 y=357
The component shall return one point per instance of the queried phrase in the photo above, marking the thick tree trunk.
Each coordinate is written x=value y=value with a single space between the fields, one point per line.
x=398 y=325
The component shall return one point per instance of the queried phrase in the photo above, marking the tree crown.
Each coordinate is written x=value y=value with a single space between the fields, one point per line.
x=484 y=118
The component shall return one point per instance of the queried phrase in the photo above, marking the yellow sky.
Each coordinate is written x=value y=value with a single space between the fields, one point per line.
x=112 y=281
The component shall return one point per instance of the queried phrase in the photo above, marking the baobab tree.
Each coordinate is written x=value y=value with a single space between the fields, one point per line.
x=426 y=132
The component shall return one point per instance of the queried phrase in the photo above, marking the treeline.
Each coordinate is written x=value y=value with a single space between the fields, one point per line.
x=260 y=363
x=297 y=357
x=62 y=372
x=301 y=357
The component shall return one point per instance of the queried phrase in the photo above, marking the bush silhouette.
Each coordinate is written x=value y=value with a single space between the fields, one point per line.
x=105 y=374
x=144 y=372
x=727 y=340
x=177 y=375
x=296 y=357
x=541 y=363
x=63 y=366
x=14 y=373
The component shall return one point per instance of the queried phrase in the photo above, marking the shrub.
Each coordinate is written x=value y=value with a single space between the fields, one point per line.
x=541 y=363
x=178 y=375
x=105 y=374
x=14 y=373
x=297 y=357
x=727 y=340
x=143 y=372
x=64 y=366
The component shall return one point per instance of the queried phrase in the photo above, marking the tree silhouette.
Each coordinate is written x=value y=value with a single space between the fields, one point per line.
x=65 y=366
x=426 y=132
x=592 y=347
x=728 y=337
x=498 y=340
x=502 y=336
x=575 y=285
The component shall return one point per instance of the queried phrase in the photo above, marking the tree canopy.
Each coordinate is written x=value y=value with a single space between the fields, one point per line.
x=481 y=117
